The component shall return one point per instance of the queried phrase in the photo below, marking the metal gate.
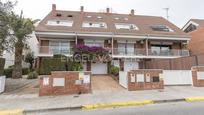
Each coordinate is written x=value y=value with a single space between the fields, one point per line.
x=177 y=77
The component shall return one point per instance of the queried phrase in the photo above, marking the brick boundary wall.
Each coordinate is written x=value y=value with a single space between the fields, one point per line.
x=69 y=87
x=196 y=81
x=149 y=77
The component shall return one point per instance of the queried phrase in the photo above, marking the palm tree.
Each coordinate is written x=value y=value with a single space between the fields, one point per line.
x=20 y=28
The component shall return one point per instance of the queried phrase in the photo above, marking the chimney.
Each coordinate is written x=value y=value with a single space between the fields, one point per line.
x=132 y=12
x=53 y=7
x=82 y=9
x=107 y=10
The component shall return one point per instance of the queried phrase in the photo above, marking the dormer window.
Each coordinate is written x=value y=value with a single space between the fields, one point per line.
x=60 y=23
x=162 y=28
x=94 y=25
x=99 y=17
x=88 y=16
x=116 y=18
x=58 y=15
x=126 y=19
x=126 y=26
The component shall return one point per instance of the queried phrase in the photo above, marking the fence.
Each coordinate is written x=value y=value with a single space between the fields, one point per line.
x=183 y=63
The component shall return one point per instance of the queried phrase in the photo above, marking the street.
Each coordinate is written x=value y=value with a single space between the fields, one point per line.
x=180 y=108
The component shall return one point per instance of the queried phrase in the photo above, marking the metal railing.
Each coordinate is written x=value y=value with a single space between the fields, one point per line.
x=50 y=50
x=129 y=52
x=172 y=52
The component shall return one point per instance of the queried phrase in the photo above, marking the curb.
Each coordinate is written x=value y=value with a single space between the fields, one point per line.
x=117 y=104
x=98 y=106
x=53 y=109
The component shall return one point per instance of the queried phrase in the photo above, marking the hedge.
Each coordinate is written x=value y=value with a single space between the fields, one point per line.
x=57 y=63
x=8 y=72
x=2 y=63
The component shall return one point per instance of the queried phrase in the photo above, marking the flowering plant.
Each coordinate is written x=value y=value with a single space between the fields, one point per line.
x=91 y=52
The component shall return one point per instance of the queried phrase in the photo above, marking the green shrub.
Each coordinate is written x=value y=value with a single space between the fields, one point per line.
x=8 y=72
x=76 y=67
x=2 y=63
x=32 y=75
x=114 y=70
x=59 y=63
x=45 y=67
x=25 y=71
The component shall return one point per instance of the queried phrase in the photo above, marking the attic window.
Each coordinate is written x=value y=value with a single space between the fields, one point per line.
x=70 y=16
x=58 y=15
x=94 y=25
x=126 y=26
x=126 y=19
x=88 y=16
x=162 y=28
x=116 y=18
x=99 y=17
x=60 y=23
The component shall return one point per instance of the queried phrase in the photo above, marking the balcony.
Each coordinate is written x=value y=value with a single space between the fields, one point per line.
x=125 y=52
x=117 y=52
x=129 y=52
x=172 y=52
x=51 y=50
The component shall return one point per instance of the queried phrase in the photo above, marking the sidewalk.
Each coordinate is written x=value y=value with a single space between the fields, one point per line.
x=33 y=102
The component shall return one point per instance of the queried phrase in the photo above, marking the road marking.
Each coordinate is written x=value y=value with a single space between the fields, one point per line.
x=12 y=112
x=117 y=104
x=194 y=99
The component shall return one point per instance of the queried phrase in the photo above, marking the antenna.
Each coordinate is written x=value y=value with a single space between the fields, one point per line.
x=167 y=12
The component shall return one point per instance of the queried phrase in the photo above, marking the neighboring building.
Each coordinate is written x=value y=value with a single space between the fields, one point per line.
x=128 y=36
x=195 y=28
x=9 y=56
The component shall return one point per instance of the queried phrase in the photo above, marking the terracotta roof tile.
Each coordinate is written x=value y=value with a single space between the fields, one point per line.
x=144 y=23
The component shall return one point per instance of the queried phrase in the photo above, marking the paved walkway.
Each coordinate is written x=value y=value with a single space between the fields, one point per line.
x=102 y=83
x=33 y=102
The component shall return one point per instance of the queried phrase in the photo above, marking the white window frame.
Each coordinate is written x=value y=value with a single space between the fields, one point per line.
x=66 y=23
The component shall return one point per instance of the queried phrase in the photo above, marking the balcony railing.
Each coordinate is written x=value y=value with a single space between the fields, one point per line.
x=50 y=50
x=129 y=52
x=172 y=52
x=143 y=52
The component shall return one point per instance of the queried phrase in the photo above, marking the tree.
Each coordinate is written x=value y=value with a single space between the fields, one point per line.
x=21 y=28
x=29 y=58
x=5 y=10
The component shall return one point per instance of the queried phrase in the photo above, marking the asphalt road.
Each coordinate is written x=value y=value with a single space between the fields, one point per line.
x=181 y=108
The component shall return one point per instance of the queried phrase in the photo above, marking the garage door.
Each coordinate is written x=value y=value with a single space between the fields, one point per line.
x=130 y=65
x=99 y=68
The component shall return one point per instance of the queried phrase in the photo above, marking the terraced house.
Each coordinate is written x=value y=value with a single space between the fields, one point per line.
x=132 y=39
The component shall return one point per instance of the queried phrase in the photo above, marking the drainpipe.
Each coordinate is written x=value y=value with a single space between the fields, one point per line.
x=112 y=43
x=147 y=49
x=76 y=39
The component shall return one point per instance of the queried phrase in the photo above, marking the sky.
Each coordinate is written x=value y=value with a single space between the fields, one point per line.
x=180 y=10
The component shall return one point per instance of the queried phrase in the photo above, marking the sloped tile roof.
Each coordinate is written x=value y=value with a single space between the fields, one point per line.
x=144 y=23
